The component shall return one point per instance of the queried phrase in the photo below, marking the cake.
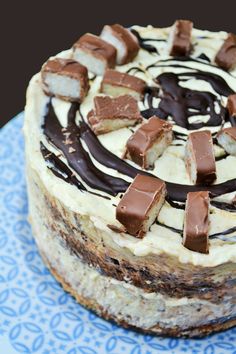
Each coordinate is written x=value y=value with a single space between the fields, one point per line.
x=131 y=172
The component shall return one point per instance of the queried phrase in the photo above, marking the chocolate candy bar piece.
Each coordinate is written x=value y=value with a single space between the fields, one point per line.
x=226 y=56
x=196 y=223
x=227 y=139
x=113 y=113
x=94 y=53
x=115 y=83
x=149 y=142
x=123 y=40
x=141 y=204
x=199 y=157
x=66 y=79
x=231 y=105
x=179 y=41
x=180 y=38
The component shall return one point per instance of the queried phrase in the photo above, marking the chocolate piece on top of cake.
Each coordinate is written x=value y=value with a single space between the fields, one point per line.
x=141 y=204
x=180 y=38
x=196 y=222
x=149 y=142
x=227 y=139
x=115 y=83
x=65 y=78
x=113 y=113
x=200 y=158
x=94 y=53
x=231 y=105
x=123 y=40
x=226 y=56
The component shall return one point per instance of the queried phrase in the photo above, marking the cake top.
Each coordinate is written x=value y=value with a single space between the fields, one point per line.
x=173 y=75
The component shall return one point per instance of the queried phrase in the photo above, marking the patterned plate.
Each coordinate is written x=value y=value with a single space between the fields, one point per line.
x=36 y=315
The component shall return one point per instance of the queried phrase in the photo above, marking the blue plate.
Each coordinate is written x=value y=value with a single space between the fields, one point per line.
x=36 y=315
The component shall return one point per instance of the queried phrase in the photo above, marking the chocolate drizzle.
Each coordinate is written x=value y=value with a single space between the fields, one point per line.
x=219 y=235
x=58 y=168
x=223 y=233
x=182 y=103
x=204 y=57
x=185 y=59
x=142 y=42
x=178 y=192
x=224 y=206
x=104 y=156
x=68 y=141
x=81 y=163
x=134 y=70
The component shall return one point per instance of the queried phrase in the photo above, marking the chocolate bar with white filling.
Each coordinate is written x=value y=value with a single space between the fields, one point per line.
x=149 y=141
x=115 y=83
x=180 y=38
x=227 y=139
x=196 y=222
x=141 y=204
x=94 y=53
x=65 y=78
x=123 y=40
x=226 y=56
x=113 y=113
x=231 y=105
x=199 y=157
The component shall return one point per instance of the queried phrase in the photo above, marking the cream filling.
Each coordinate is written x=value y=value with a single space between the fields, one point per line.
x=158 y=239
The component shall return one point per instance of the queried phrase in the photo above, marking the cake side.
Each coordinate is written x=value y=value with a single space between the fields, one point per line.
x=153 y=273
x=119 y=300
